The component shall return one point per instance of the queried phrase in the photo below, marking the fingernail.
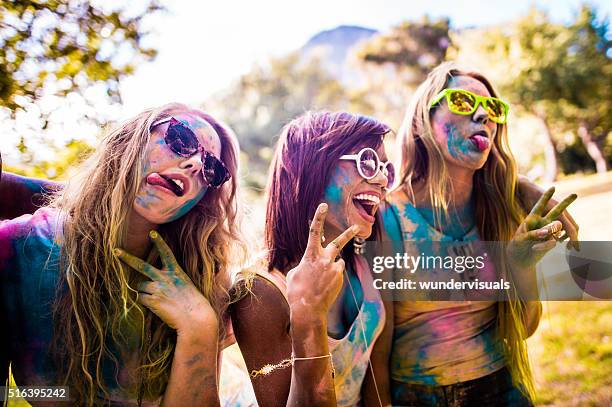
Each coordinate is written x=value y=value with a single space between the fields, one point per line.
x=117 y=252
x=324 y=207
x=153 y=234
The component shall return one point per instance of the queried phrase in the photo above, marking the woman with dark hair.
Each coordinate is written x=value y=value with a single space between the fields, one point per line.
x=79 y=306
x=459 y=186
x=307 y=333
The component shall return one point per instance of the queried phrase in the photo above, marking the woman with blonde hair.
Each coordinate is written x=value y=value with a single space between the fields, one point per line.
x=458 y=185
x=161 y=186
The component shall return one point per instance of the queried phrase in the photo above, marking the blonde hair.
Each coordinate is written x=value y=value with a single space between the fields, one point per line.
x=497 y=209
x=99 y=303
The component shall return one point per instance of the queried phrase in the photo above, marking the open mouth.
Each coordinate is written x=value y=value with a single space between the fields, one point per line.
x=480 y=140
x=366 y=205
x=176 y=186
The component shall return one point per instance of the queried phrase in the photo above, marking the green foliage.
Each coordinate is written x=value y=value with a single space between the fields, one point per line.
x=562 y=74
x=67 y=46
x=414 y=46
x=65 y=160
x=268 y=97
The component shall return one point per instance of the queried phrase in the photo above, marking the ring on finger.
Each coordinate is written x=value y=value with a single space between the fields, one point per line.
x=555 y=228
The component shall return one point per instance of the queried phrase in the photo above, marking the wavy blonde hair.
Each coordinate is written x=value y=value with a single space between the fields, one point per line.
x=497 y=210
x=98 y=308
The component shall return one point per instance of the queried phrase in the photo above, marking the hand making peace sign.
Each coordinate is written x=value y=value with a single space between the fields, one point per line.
x=314 y=284
x=538 y=233
x=170 y=294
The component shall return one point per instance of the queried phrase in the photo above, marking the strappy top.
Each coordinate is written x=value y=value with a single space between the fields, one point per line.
x=351 y=353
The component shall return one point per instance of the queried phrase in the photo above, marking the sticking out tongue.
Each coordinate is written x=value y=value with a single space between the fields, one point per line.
x=481 y=142
x=156 y=179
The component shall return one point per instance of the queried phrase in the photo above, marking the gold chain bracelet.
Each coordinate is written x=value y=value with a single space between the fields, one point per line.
x=269 y=368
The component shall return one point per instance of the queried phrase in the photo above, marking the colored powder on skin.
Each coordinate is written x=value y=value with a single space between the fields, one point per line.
x=146 y=201
x=451 y=225
x=186 y=207
x=333 y=194
x=458 y=147
x=333 y=191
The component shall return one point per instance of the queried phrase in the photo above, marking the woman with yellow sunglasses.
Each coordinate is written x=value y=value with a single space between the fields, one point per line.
x=458 y=184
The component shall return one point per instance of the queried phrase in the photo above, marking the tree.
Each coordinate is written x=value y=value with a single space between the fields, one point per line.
x=66 y=46
x=269 y=96
x=52 y=54
x=561 y=74
x=416 y=47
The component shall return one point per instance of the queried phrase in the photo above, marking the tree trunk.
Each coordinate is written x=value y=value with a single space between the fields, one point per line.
x=592 y=148
x=551 y=169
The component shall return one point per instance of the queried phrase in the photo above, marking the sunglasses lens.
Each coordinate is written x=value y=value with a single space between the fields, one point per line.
x=368 y=163
x=496 y=110
x=214 y=171
x=181 y=140
x=461 y=102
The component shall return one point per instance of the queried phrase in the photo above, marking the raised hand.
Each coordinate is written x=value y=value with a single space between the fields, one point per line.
x=530 y=193
x=314 y=284
x=170 y=294
x=539 y=232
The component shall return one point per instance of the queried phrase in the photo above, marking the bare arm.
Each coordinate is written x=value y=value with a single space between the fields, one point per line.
x=261 y=327
x=263 y=332
x=172 y=296
x=193 y=376
x=270 y=329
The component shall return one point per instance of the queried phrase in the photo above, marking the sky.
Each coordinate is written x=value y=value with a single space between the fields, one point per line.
x=202 y=49
x=204 y=46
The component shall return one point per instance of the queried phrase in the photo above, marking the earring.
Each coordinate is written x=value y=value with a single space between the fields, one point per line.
x=359 y=245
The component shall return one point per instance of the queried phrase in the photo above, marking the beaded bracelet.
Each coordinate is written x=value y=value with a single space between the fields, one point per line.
x=269 y=368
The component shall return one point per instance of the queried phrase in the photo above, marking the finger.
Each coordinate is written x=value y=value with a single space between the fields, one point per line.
x=147 y=287
x=538 y=208
x=137 y=264
x=544 y=246
x=560 y=236
x=534 y=235
x=336 y=245
x=555 y=212
x=167 y=257
x=316 y=228
x=570 y=226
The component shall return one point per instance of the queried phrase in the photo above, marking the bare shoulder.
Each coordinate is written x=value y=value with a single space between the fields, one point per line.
x=264 y=305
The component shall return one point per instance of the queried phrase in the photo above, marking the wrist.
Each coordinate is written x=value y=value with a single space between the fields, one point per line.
x=199 y=331
x=307 y=320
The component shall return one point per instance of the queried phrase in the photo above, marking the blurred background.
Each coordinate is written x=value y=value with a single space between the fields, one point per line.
x=70 y=68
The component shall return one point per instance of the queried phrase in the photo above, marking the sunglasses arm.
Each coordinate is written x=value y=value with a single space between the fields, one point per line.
x=438 y=98
x=349 y=157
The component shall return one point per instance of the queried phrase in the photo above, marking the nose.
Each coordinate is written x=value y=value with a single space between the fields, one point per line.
x=380 y=178
x=192 y=164
x=481 y=115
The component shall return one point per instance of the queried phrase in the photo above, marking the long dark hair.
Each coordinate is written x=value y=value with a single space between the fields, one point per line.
x=306 y=154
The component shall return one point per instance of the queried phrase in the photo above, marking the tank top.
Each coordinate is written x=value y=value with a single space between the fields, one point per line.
x=440 y=342
x=351 y=353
